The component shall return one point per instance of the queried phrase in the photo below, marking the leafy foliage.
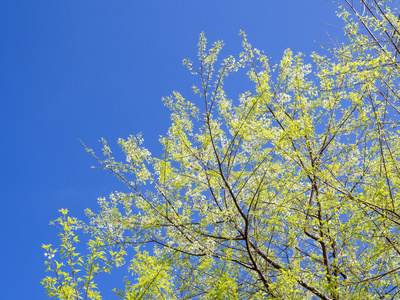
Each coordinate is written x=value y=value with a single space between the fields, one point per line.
x=289 y=192
x=67 y=284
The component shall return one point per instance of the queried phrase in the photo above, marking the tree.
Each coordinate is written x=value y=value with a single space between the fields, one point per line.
x=289 y=192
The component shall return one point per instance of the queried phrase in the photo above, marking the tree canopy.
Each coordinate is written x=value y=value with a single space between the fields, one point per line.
x=290 y=191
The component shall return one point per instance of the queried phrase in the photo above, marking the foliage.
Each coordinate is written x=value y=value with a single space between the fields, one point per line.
x=66 y=284
x=289 y=192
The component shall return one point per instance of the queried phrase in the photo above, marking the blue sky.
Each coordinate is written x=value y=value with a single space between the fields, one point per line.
x=94 y=68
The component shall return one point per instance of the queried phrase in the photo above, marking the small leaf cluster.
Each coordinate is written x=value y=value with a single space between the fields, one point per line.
x=74 y=273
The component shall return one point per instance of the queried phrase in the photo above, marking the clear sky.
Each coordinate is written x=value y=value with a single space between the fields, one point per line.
x=89 y=69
